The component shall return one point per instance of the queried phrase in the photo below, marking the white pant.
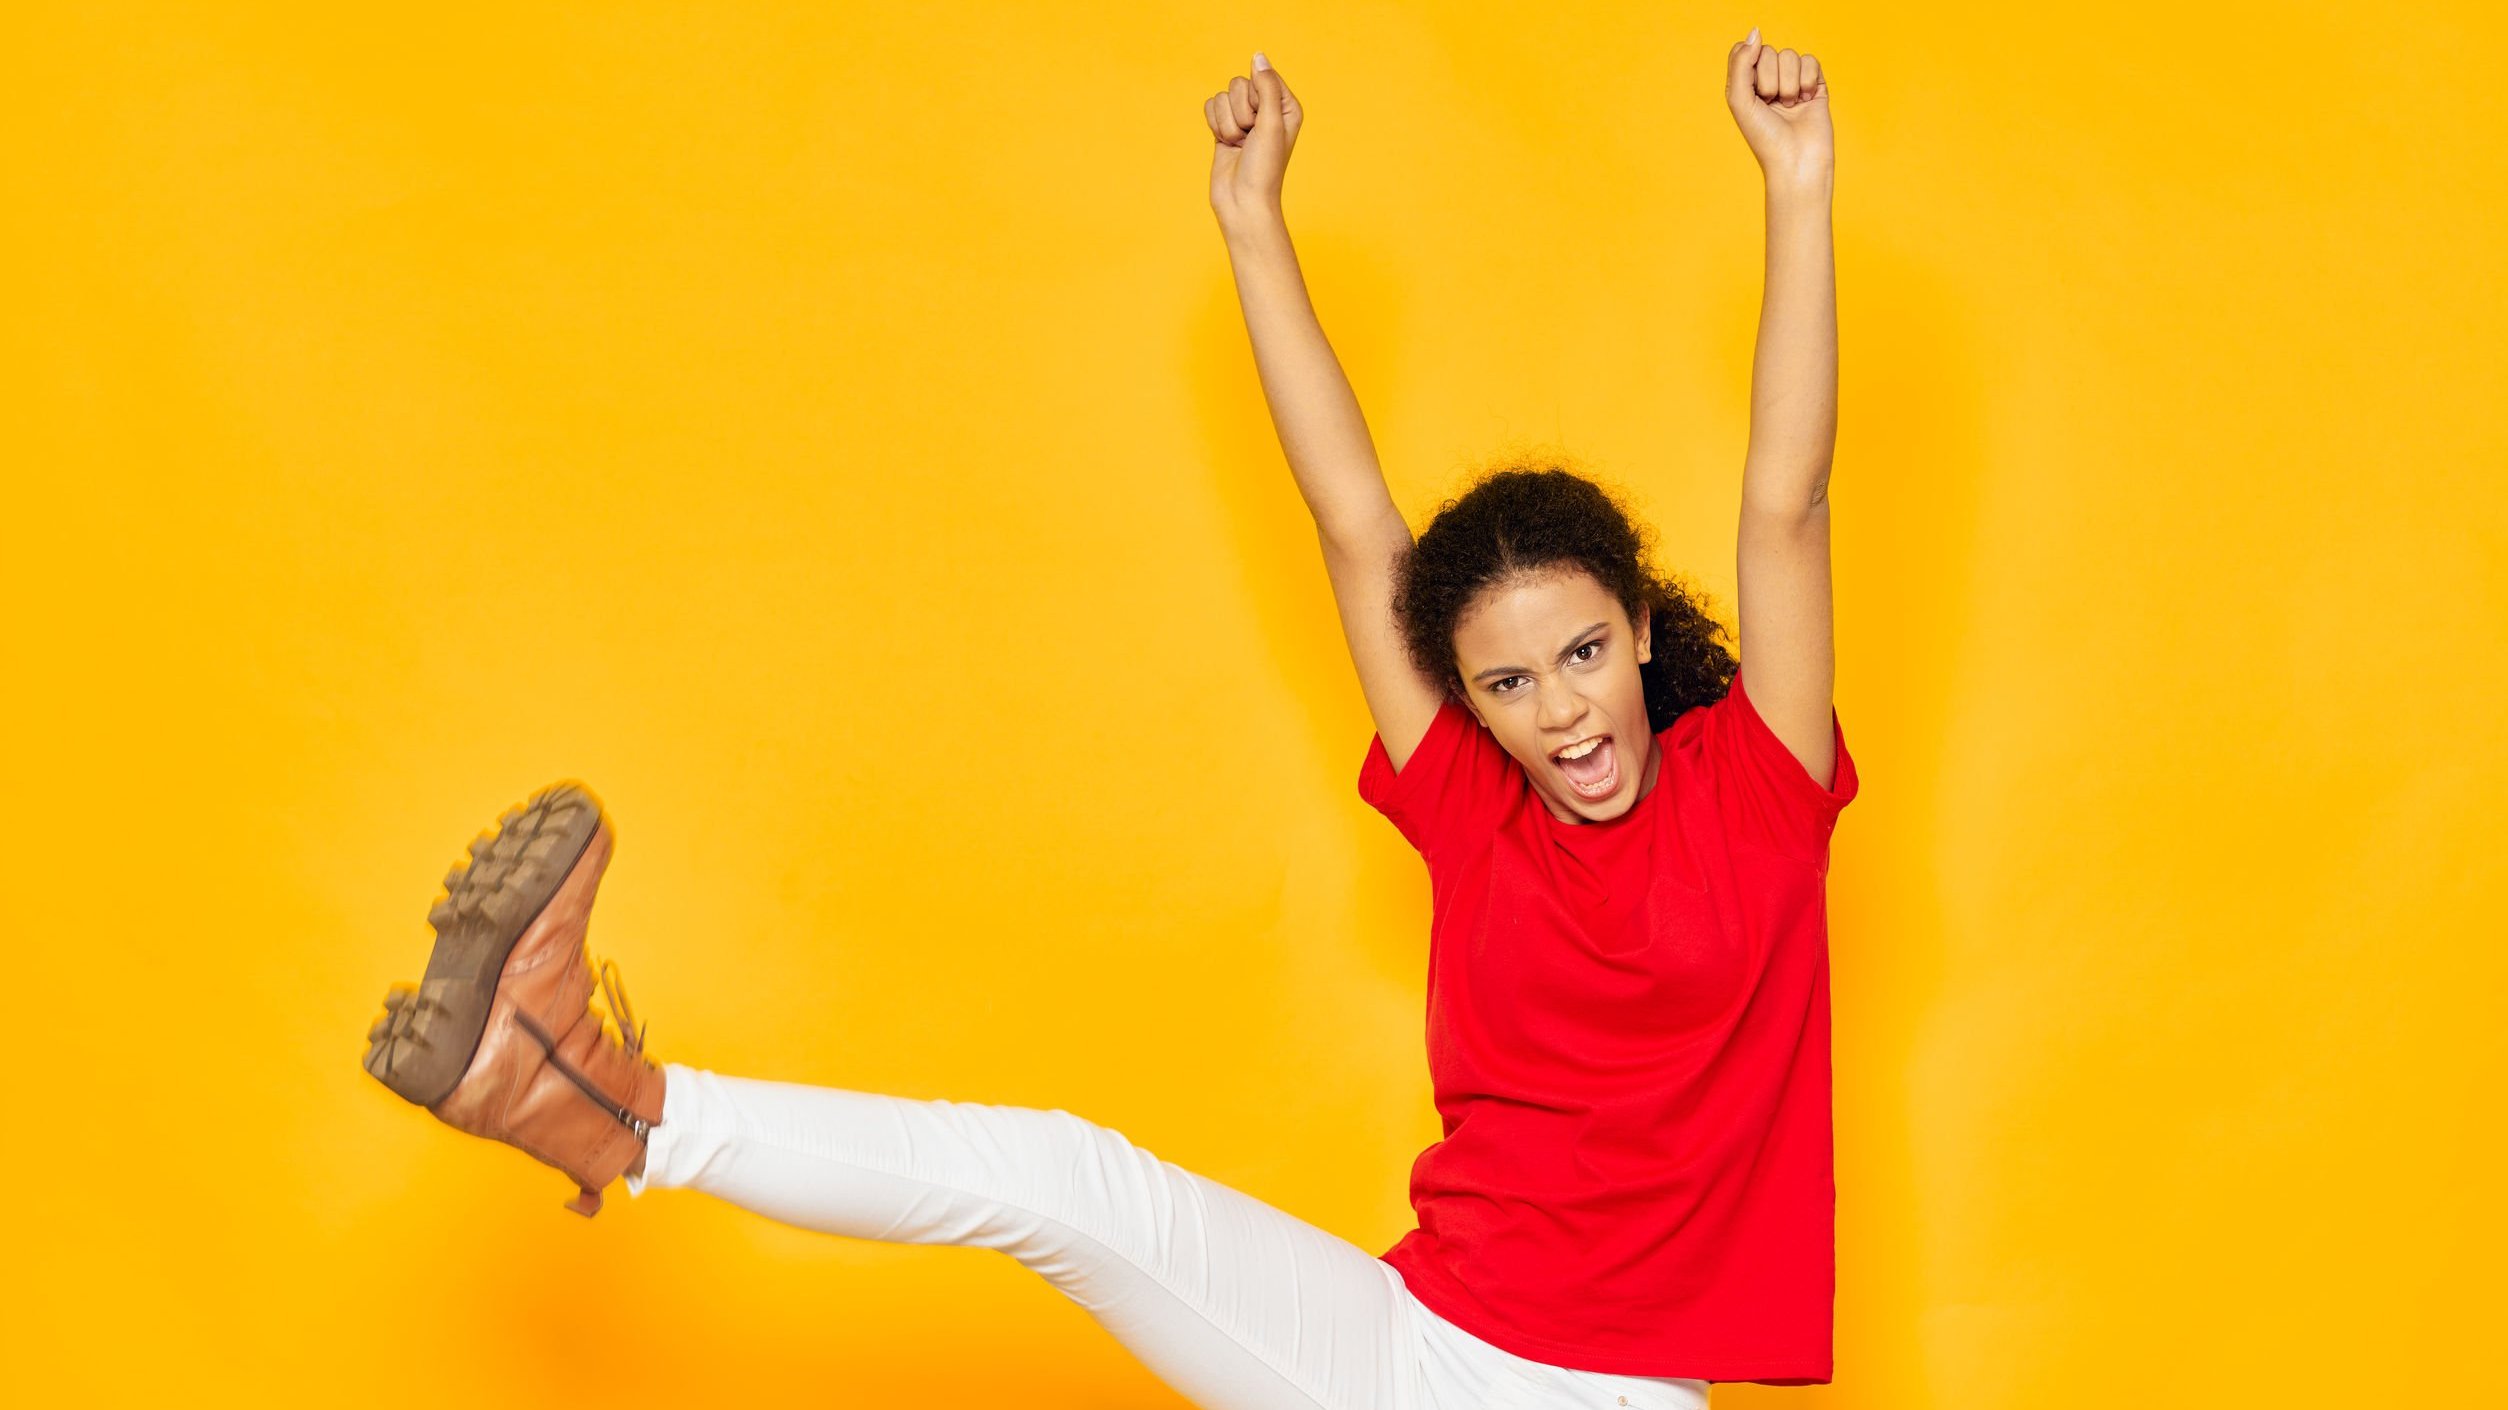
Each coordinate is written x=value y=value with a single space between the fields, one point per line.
x=1235 y=1304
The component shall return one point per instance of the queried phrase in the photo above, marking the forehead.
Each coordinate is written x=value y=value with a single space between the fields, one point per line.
x=1532 y=616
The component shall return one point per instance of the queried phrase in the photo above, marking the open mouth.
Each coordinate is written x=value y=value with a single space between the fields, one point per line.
x=1592 y=767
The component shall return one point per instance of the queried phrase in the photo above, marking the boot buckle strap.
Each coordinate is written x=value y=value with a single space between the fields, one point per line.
x=617 y=1109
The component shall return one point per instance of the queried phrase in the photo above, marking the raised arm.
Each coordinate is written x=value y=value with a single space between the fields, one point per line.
x=1253 y=125
x=1781 y=101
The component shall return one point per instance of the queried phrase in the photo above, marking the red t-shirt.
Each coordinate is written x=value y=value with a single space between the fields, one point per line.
x=1628 y=1037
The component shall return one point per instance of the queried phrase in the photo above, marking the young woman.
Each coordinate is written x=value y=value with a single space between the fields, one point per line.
x=1628 y=1008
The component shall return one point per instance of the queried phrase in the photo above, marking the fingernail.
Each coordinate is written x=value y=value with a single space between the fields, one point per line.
x=1754 y=35
x=1259 y=61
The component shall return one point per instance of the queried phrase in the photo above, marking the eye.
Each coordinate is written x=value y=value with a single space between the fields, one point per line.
x=1588 y=646
x=1499 y=687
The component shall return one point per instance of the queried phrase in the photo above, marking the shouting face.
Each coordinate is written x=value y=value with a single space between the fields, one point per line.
x=1549 y=665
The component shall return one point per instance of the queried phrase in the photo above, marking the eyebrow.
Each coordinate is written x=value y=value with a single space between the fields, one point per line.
x=1563 y=655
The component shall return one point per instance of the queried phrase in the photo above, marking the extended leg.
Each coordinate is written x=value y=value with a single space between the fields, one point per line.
x=1236 y=1304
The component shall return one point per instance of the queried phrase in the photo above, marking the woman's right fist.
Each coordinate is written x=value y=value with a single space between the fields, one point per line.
x=1253 y=124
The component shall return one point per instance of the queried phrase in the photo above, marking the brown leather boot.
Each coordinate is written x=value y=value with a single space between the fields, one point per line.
x=500 y=1039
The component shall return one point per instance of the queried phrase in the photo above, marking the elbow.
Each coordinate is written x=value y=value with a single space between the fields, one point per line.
x=1782 y=497
x=1790 y=512
x=1373 y=539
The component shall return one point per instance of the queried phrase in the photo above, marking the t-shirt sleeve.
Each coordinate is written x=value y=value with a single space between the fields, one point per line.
x=1455 y=785
x=1763 y=792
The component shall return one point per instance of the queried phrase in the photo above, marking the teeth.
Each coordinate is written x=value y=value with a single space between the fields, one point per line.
x=1579 y=751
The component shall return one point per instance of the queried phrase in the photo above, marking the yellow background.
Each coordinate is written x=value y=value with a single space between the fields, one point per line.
x=830 y=431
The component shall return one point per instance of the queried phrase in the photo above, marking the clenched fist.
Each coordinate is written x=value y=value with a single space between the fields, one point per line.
x=1253 y=124
x=1781 y=100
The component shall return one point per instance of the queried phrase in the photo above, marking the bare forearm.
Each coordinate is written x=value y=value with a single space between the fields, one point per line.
x=1313 y=409
x=1793 y=380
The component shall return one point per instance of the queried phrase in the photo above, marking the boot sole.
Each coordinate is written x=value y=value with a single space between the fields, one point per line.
x=428 y=1035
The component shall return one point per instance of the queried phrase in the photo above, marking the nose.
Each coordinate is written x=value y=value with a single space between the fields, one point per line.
x=1560 y=708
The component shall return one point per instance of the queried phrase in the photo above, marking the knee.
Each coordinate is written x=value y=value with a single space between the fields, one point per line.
x=1097 y=1182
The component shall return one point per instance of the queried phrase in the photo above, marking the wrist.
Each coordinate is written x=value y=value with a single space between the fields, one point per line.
x=1254 y=231
x=1809 y=187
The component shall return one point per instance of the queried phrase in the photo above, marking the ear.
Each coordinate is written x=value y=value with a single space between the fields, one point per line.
x=1645 y=634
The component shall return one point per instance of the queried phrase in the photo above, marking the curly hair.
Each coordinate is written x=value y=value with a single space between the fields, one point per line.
x=1528 y=517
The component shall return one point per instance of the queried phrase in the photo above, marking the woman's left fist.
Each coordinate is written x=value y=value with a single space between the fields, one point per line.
x=1781 y=100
